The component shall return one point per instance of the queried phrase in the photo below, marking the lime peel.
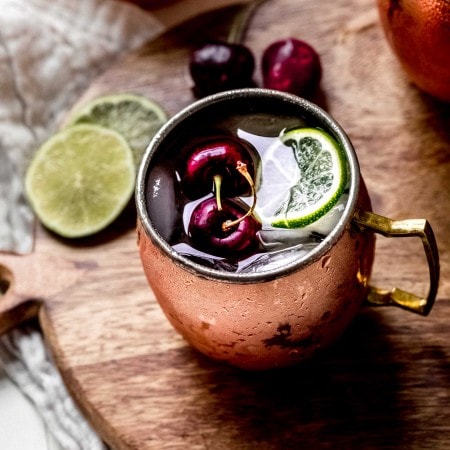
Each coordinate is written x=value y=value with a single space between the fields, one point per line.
x=323 y=178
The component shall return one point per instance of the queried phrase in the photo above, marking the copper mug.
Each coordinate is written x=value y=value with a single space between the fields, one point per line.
x=278 y=317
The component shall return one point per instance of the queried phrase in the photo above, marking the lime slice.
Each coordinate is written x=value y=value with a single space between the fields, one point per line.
x=303 y=184
x=135 y=117
x=80 y=180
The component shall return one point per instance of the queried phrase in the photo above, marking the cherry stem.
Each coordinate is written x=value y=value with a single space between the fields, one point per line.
x=217 y=185
x=240 y=24
x=242 y=169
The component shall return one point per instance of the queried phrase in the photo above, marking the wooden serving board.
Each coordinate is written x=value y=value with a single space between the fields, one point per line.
x=385 y=384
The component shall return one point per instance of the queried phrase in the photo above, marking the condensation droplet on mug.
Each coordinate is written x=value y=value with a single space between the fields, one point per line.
x=245 y=313
x=301 y=295
x=207 y=322
x=187 y=280
x=326 y=261
x=138 y=237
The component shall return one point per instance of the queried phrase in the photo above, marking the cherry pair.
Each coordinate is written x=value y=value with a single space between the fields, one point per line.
x=288 y=65
x=222 y=225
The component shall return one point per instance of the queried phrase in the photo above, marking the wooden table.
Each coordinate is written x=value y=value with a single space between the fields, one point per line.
x=385 y=384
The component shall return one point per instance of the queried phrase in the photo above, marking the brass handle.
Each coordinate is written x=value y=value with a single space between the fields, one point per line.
x=404 y=228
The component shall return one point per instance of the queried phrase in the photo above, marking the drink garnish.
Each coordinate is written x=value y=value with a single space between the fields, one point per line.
x=321 y=180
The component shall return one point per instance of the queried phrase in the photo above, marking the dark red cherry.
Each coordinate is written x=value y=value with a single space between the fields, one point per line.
x=218 y=156
x=291 y=65
x=209 y=232
x=220 y=66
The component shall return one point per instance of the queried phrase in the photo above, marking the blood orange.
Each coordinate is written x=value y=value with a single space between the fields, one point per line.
x=418 y=31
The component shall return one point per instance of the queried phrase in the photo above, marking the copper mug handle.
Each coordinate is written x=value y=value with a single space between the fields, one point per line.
x=404 y=228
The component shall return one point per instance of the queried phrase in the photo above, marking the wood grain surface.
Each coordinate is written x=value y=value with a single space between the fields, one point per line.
x=385 y=384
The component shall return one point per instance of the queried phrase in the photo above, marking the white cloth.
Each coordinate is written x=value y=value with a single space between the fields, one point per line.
x=49 y=52
x=18 y=413
x=26 y=361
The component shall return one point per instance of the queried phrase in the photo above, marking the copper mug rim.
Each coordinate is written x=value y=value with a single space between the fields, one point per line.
x=311 y=111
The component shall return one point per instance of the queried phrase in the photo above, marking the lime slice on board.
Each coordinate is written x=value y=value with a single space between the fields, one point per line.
x=135 y=117
x=80 y=180
x=305 y=173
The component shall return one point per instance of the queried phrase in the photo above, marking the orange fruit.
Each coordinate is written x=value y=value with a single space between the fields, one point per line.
x=418 y=32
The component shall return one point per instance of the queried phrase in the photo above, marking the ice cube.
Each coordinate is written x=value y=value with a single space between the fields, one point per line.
x=161 y=197
x=205 y=259
x=269 y=261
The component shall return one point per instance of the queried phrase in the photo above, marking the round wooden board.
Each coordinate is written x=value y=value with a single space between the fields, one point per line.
x=384 y=385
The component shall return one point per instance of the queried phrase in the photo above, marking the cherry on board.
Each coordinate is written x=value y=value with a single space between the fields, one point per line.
x=220 y=66
x=293 y=66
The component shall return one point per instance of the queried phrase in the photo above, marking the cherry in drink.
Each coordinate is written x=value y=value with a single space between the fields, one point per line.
x=247 y=191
